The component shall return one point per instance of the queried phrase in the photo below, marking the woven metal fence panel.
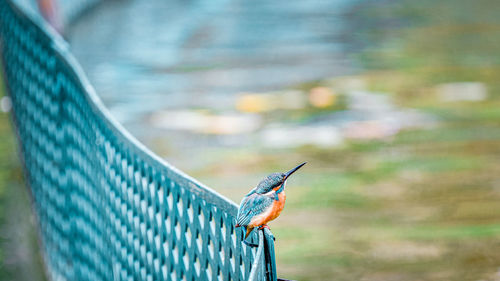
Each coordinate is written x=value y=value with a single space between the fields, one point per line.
x=106 y=207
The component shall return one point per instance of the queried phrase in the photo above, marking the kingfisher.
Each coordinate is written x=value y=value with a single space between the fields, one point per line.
x=264 y=203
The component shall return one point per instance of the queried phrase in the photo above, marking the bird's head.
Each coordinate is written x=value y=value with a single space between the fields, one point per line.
x=275 y=181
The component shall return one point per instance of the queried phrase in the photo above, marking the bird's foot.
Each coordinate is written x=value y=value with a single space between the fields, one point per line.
x=250 y=244
x=264 y=226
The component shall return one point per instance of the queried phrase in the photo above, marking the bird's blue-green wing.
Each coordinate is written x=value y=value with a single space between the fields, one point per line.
x=251 y=206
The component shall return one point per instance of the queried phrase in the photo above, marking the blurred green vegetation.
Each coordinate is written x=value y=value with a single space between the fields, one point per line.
x=5 y=142
x=19 y=251
x=422 y=205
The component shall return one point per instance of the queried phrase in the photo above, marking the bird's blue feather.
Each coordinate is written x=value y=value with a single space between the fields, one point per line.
x=252 y=205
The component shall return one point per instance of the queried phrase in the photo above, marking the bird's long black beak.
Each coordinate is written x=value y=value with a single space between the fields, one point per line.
x=287 y=174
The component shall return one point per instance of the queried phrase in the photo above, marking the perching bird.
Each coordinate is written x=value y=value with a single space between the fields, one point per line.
x=264 y=203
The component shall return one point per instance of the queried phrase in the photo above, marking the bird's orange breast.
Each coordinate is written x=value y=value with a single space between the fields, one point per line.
x=273 y=212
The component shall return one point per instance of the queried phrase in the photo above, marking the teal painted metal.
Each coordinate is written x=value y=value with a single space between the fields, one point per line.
x=107 y=208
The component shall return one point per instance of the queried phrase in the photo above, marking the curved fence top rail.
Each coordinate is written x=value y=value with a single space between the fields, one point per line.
x=107 y=207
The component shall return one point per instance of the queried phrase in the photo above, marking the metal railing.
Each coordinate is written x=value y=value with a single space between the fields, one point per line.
x=107 y=208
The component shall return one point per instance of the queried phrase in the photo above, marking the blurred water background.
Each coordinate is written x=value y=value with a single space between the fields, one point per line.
x=394 y=104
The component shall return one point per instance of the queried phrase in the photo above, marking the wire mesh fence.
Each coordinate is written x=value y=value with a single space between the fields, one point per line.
x=106 y=207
